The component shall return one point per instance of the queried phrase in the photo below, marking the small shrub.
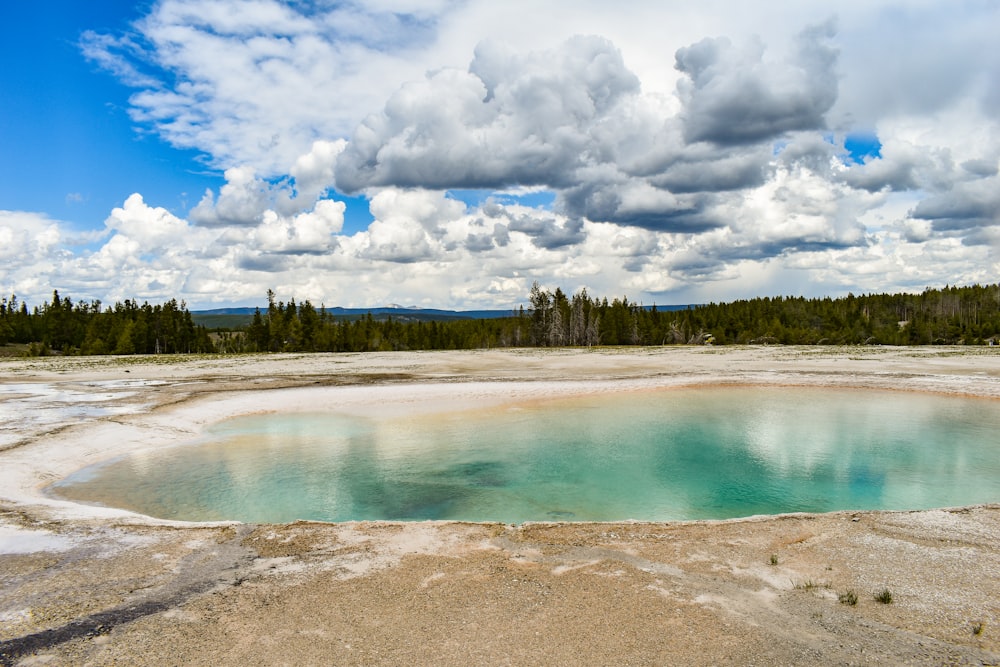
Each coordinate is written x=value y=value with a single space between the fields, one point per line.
x=38 y=350
x=884 y=596
x=850 y=598
x=774 y=559
x=977 y=628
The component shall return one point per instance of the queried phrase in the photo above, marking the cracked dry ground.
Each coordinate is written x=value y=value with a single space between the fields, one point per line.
x=756 y=591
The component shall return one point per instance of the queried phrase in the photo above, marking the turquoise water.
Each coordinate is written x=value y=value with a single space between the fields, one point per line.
x=662 y=455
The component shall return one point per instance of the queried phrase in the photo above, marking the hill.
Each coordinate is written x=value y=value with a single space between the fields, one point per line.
x=237 y=318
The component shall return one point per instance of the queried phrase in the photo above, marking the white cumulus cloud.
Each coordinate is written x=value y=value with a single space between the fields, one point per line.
x=690 y=151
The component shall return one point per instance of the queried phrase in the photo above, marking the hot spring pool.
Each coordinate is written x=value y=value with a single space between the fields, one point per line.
x=702 y=453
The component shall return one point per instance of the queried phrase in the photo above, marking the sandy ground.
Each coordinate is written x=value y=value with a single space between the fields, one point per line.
x=99 y=586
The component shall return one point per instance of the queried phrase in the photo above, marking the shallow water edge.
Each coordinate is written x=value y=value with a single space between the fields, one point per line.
x=656 y=455
x=175 y=399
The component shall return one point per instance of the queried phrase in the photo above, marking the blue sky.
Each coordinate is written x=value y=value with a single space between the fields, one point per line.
x=71 y=149
x=448 y=154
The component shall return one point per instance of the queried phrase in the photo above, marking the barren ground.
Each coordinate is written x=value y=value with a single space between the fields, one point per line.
x=98 y=586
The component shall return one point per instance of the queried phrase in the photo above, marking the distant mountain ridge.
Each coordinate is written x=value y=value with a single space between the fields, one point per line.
x=396 y=309
x=392 y=309
x=239 y=317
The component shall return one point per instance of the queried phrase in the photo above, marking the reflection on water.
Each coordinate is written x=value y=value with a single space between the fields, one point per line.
x=664 y=455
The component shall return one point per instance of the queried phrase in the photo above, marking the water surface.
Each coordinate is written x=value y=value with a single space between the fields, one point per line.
x=661 y=455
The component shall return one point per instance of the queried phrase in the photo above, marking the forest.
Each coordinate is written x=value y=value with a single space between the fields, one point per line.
x=63 y=327
x=949 y=316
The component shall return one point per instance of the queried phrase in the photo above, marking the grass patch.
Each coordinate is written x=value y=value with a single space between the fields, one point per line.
x=774 y=559
x=884 y=596
x=850 y=598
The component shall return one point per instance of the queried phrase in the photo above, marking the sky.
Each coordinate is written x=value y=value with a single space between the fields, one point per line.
x=448 y=154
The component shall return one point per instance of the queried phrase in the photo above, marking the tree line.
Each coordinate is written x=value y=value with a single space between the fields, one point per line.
x=953 y=315
x=61 y=326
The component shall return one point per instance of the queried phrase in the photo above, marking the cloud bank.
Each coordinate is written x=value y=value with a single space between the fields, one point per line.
x=671 y=165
